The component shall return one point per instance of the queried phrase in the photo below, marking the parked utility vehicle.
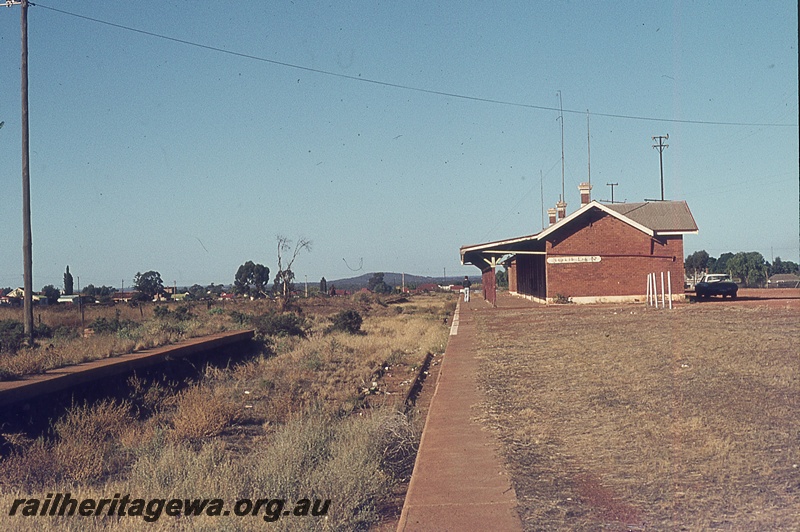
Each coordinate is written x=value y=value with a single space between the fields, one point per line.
x=716 y=284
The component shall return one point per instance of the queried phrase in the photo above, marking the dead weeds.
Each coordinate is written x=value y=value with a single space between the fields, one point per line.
x=622 y=418
x=293 y=421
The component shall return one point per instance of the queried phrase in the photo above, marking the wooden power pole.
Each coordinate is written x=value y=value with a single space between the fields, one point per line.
x=27 y=245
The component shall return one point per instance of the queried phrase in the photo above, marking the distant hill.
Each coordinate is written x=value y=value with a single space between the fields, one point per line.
x=394 y=279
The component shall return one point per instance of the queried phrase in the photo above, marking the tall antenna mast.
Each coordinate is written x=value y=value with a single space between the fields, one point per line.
x=541 y=193
x=589 y=146
x=561 y=118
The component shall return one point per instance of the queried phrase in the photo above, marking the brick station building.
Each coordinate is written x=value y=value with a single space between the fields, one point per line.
x=599 y=253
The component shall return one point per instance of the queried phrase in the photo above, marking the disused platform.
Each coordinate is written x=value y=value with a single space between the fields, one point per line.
x=67 y=377
x=459 y=481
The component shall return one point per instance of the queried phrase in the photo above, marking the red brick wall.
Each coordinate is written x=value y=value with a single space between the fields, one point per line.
x=627 y=256
x=512 y=276
x=489 y=281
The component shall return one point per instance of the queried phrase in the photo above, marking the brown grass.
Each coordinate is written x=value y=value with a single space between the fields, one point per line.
x=290 y=423
x=147 y=332
x=202 y=412
x=85 y=448
x=623 y=417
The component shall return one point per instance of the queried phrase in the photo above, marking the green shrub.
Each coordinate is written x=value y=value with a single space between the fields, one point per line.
x=280 y=324
x=12 y=335
x=111 y=326
x=239 y=318
x=179 y=314
x=348 y=321
x=65 y=332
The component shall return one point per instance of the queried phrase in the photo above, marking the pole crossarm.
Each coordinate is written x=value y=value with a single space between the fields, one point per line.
x=660 y=146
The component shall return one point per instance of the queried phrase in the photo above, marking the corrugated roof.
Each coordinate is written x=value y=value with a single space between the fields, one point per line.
x=660 y=216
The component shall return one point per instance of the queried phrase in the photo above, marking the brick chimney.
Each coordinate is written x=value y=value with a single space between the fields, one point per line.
x=586 y=193
x=561 y=208
x=551 y=213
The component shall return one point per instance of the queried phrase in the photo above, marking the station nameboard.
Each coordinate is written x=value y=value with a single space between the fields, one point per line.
x=573 y=259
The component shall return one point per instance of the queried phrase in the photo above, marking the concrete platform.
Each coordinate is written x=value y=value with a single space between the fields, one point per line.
x=62 y=378
x=459 y=482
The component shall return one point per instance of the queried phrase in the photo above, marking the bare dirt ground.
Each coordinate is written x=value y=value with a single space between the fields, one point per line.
x=622 y=417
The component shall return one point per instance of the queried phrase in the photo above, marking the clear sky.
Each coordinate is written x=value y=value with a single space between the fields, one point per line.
x=388 y=133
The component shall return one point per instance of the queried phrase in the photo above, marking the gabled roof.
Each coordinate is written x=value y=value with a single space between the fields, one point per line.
x=652 y=218
x=785 y=277
x=660 y=216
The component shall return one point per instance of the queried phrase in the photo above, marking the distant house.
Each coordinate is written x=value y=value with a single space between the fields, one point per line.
x=124 y=297
x=74 y=299
x=13 y=298
x=784 y=280
x=428 y=287
x=339 y=292
x=17 y=293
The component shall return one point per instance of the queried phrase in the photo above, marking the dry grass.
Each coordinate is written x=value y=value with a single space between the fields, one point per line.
x=85 y=448
x=290 y=423
x=332 y=371
x=617 y=418
x=140 y=330
x=201 y=412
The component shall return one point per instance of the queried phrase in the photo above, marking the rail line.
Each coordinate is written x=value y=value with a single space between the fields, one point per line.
x=33 y=386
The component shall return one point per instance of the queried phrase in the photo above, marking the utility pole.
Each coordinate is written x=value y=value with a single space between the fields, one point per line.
x=661 y=146
x=612 y=185
x=27 y=245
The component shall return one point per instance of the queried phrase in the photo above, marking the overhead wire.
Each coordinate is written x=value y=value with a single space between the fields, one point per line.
x=400 y=85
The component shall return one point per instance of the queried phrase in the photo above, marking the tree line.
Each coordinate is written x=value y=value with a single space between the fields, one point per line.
x=748 y=266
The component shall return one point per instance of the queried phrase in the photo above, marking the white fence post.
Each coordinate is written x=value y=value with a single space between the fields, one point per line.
x=655 y=289
x=669 y=286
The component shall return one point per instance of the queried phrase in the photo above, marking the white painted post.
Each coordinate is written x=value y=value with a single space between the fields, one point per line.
x=663 y=293
x=669 y=287
x=648 y=289
x=655 y=289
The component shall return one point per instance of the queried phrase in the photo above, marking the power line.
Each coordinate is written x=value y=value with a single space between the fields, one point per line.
x=401 y=86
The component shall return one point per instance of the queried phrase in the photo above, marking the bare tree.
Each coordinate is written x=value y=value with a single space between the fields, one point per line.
x=285 y=275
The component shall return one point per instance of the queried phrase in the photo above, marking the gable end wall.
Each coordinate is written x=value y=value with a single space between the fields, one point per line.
x=627 y=256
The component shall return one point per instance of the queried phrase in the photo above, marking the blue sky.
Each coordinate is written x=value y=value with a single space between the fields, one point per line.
x=153 y=154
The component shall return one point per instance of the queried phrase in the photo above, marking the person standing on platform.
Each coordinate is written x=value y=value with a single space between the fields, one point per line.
x=466 y=284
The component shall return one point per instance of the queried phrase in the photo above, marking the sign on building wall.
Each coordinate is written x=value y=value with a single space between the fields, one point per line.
x=573 y=259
